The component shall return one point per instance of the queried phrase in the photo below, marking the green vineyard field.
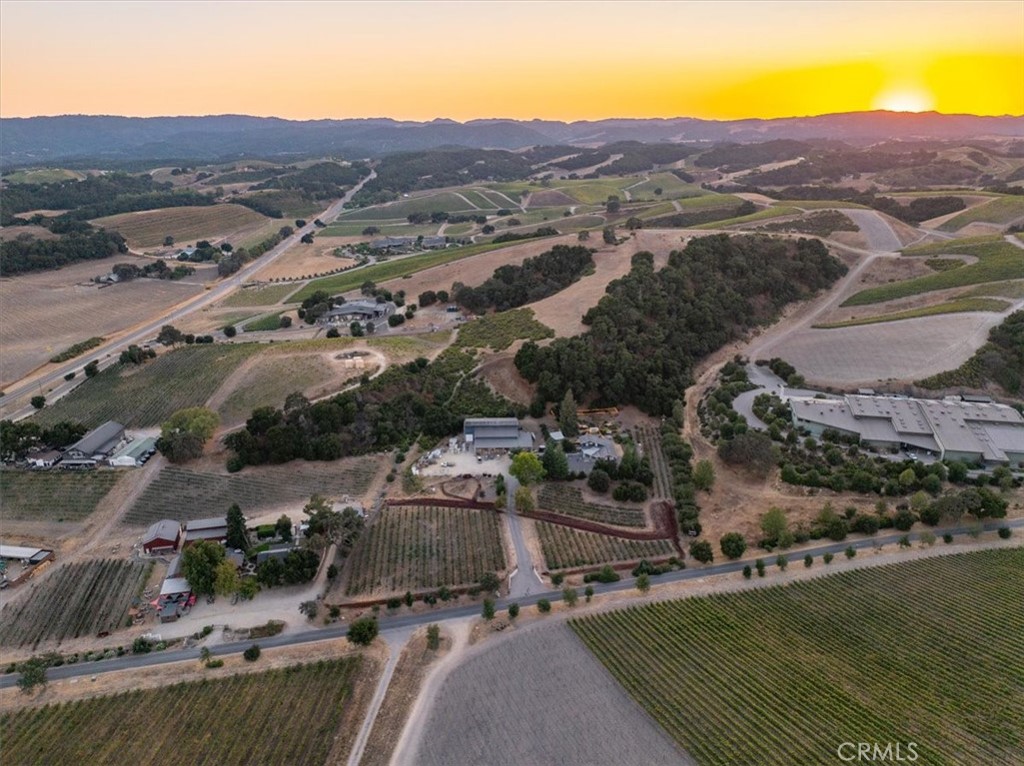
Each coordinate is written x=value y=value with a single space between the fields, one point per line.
x=140 y=397
x=77 y=600
x=565 y=548
x=181 y=494
x=53 y=495
x=927 y=651
x=415 y=548
x=561 y=498
x=288 y=716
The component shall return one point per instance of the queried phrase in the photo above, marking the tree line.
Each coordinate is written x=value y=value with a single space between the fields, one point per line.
x=392 y=410
x=25 y=254
x=652 y=326
x=512 y=286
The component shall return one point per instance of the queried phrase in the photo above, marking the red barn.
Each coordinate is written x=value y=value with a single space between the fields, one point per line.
x=162 y=537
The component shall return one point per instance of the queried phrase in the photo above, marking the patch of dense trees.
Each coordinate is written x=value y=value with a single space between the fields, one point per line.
x=652 y=326
x=431 y=169
x=324 y=180
x=686 y=219
x=1000 y=360
x=125 y=272
x=638 y=157
x=392 y=410
x=511 y=286
x=541 y=154
x=515 y=236
x=17 y=438
x=93 y=193
x=731 y=158
x=25 y=254
x=832 y=165
x=584 y=160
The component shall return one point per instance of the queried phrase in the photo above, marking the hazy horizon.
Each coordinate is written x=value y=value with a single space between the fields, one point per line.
x=553 y=61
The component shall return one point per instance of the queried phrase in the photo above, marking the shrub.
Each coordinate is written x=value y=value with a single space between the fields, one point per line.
x=544 y=606
x=362 y=631
x=557 y=578
x=488 y=609
x=850 y=552
x=588 y=593
x=782 y=562
x=643 y=583
x=230 y=331
x=903 y=520
x=947 y=538
x=1005 y=533
x=701 y=550
x=808 y=560
x=570 y=596
x=394 y=603
x=252 y=653
x=746 y=572
x=211 y=664
x=599 y=481
x=513 y=610
x=759 y=566
x=827 y=558
x=733 y=545
x=433 y=637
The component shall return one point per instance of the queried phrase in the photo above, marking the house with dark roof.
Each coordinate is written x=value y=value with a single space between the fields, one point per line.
x=357 y=311
x=162 y=537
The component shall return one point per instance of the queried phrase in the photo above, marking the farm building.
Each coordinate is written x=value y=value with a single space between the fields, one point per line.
x=433 y=243
x=135 y=453
x=28 y=558
x=47 y=459
x=950 y=429
x=96 y=445
x=162 y=537
x=215 y=529
x=393 y=244
x=496 y=433
x=357 y=311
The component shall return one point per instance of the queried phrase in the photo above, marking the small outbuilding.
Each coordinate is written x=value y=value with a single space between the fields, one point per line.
x=162 y=537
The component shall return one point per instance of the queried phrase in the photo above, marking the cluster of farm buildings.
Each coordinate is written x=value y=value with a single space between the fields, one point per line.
x=169 y=537
x=974 y=430
x=107 y=444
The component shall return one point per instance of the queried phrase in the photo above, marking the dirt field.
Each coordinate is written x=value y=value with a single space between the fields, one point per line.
x=36 y=232
x=47 y=312
x=308 y=260
x=906 y=350
x=147 y=229
x=268 y=378
x=538 y=696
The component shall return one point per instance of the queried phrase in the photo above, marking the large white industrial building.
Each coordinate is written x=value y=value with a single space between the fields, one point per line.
x=950 y=429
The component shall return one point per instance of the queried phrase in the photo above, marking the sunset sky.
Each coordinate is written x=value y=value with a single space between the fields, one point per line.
x=464 y=60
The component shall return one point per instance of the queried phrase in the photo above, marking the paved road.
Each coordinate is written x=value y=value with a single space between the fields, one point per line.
x=393 y=626
x=149 y=330
x=525 y=581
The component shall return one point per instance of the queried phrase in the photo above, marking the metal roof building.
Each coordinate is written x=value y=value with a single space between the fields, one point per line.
x=496 y=433
x=134 y=453
x=215 y=529
x=162 y=535
x=951 y=428
x=99 y=441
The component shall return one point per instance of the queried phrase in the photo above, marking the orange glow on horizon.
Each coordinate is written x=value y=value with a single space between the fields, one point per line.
x=523 y=60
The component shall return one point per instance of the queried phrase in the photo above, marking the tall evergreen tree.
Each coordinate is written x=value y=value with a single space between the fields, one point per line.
x=567 y=416
x=237 y=537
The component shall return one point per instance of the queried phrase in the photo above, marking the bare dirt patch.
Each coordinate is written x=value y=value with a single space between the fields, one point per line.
x=45 y=313
x=413 y=667
x=519 y=699
x=305 y=261
x=36 y=232
x=501 y=374
x=905 y=350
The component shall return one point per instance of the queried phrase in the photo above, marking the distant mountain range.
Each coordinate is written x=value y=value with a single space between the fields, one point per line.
x=78 y=137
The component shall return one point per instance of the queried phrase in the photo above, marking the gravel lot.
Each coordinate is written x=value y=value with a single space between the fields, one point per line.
x=539 y=697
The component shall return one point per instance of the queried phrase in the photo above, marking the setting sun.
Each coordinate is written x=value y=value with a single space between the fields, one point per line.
x=904 y=100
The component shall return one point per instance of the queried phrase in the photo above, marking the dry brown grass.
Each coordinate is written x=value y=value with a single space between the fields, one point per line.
x=146 y=229
x=45 y=313
x=37 y=232
x=308 y=260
